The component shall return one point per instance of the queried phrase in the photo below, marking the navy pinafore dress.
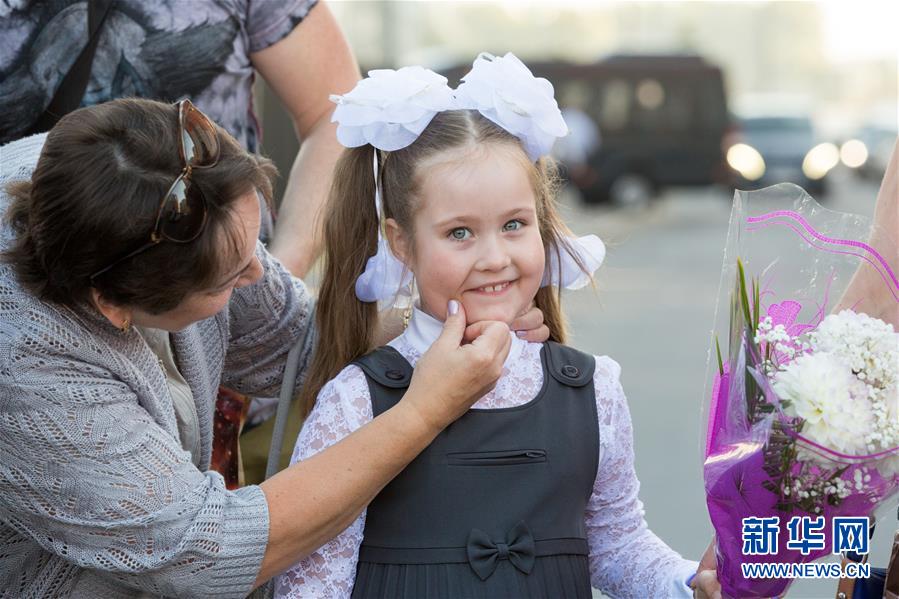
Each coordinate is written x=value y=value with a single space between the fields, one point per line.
x=494 y=507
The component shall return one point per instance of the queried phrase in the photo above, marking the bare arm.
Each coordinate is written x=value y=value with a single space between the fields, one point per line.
x=312 y=501
x=866 y=284
x=313 y=61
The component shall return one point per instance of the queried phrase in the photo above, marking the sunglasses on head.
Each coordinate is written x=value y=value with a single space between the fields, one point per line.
x=181 y=216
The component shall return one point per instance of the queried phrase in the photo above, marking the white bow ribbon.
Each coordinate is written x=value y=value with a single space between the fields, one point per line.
x=389 y=109
x=563 y=270
x=506 y=92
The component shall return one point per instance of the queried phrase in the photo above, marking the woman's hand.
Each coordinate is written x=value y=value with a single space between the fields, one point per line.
x=528 y=326
x=705 y=583
x=451 y=376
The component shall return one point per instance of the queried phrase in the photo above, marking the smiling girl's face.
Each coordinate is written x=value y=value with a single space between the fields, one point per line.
x=476 y=237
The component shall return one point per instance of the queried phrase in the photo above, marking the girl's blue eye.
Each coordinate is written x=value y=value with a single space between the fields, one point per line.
x=513 y=225
x=460 y=234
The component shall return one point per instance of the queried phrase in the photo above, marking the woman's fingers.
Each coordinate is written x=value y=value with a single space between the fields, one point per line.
x=453 y=326
x=706 y=586
x=450 y=376
x=529 y=325
x=538 y=335
x=493 y=337
x=475 y=330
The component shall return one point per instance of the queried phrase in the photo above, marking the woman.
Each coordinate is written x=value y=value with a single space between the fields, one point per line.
x=131 y=283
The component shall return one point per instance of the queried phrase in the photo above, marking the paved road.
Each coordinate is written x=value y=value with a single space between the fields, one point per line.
x=653 y=312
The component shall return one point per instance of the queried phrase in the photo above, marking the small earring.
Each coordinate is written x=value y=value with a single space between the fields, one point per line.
x=126 y=325
x=407 y=312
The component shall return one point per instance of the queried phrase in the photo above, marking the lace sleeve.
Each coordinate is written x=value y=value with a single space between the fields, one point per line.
x=343 y=406
x=626 y=558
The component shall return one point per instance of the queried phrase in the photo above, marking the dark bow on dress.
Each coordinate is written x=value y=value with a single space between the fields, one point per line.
x=483 y=554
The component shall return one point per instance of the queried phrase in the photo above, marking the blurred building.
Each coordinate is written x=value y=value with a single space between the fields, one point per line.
x=763 y=46
x=790 y=48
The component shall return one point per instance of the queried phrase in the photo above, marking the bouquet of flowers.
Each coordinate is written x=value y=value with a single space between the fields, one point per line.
x=803 y=406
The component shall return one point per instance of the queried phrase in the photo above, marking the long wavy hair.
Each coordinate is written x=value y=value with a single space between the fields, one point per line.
x=347 y=327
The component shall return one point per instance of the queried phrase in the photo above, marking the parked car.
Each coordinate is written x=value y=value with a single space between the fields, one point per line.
x=661 y=120
x=777 y=148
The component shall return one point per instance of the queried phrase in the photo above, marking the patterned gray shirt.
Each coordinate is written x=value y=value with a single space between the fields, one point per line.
x=164 y=50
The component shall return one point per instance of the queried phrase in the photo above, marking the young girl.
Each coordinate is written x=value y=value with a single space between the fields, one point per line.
x=532 y=493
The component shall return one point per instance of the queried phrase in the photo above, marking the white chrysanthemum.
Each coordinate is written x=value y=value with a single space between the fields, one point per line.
x=891 y=399
x=888 y=467
x=868 y=345
x=832 y=401
x=889 y=427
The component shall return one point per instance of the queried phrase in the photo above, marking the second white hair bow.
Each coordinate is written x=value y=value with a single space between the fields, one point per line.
x=505 y=92
x=390 y=108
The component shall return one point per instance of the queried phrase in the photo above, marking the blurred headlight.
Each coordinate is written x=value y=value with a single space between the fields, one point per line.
x=820 y=160
x=747 y=161
x=854 y=153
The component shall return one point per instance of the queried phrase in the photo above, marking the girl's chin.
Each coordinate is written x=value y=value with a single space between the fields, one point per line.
x=497 y=313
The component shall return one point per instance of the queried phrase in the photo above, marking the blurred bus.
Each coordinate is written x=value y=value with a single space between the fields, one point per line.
x=661 y=120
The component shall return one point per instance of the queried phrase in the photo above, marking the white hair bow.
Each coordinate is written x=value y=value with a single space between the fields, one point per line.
x=506 y=93
x=390 y=108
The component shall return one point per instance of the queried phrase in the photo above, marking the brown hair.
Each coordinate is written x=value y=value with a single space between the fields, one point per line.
x=94 y=195
x=346 y=329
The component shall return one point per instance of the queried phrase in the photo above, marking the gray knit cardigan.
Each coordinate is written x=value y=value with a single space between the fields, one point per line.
x=97 y=496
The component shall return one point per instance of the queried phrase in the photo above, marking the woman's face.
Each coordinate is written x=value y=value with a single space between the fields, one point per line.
x=476 y=237
x=206 y=303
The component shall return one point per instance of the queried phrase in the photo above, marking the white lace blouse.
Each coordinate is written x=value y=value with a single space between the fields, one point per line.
x=626 y=558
